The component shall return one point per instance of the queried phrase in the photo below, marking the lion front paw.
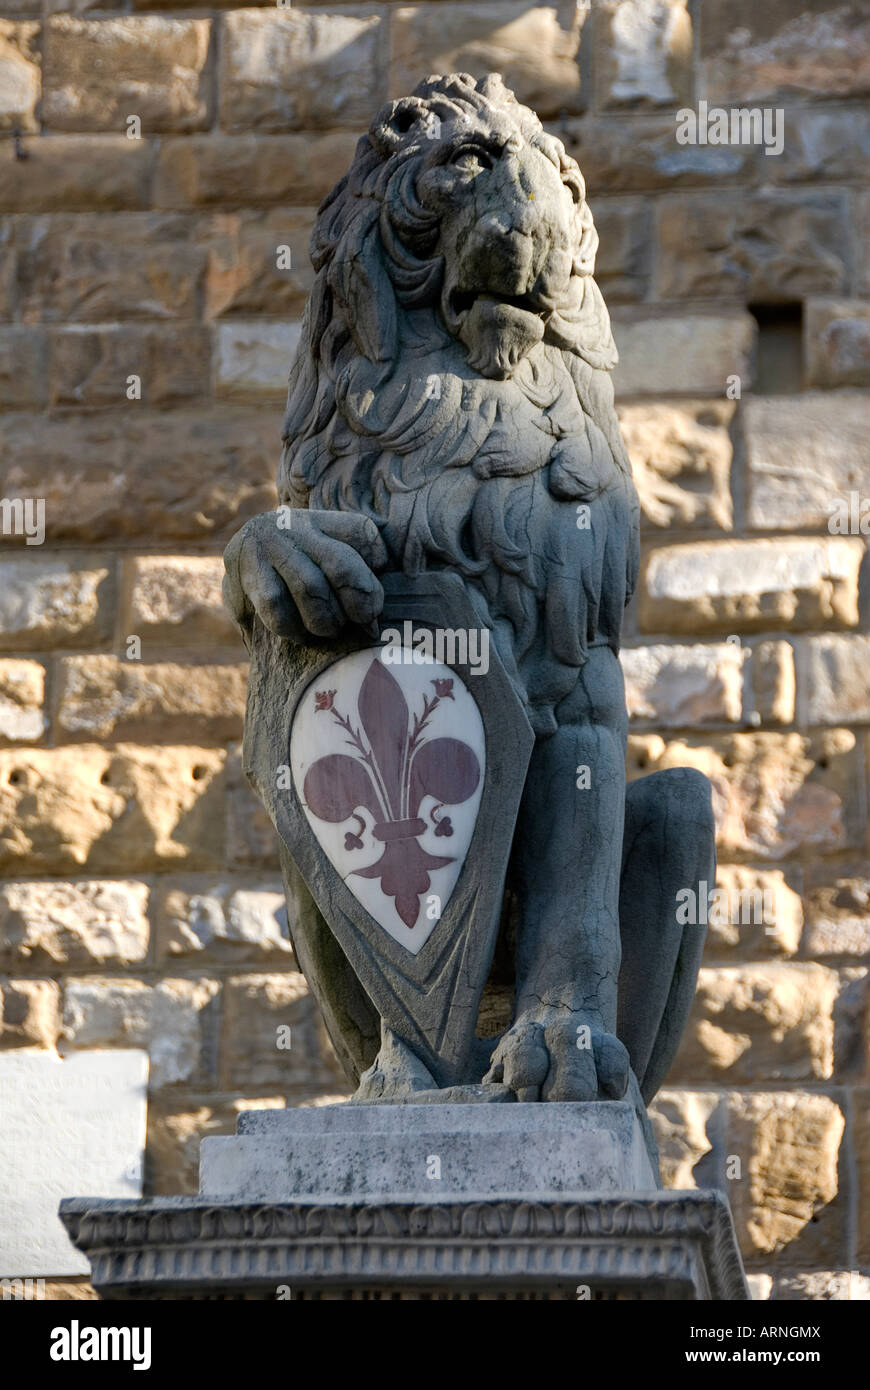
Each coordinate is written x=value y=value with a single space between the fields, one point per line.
x=560 y=1057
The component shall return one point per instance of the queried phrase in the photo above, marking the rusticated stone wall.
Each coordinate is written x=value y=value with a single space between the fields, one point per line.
x=140 y=901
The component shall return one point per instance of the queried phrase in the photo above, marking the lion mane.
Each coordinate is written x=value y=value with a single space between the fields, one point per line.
x=386 y=417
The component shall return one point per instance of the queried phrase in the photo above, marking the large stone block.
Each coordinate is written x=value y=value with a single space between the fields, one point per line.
x=82 y=268
x=755 y=52
x=681 y=460
x=166 y=365
x=822 y=143
x=175 y=600
x=805 y=454
x=773 y=794
x=20 y=76
x=622 y=264
x=774 y=683
x=195 y=476
x=643 y=53
x=425 y=1152
x=680 y=687
x=262 y=1014
x=87 y=922
x=102 y=698
x=173 y=1021
x=760 y=246
x=22 y=692
x=258 y=263
x=99 y=72
x=253 y=359
x=838 y=910
x=837 y=342
x=175 y=1132
x=758 y=913
x=114 y=809
x=686 y=1125
x=88 y=173
x=223 y=921
x=534 y=48
x=837 y=686
x=29 y=1013
x=786 y=1201
x=67 y=1125
x=747 y=586
x=226 y=171
x=295 y=69
x=638 y=153
x=23 y=367
x=55 y=603
x=772 y=1022
x=680 y=355
x=252 y=841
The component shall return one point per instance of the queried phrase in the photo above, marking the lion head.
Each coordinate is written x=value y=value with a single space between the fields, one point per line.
x=455 y=346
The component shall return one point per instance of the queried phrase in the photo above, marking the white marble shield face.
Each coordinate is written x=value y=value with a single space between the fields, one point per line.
x=387 y=755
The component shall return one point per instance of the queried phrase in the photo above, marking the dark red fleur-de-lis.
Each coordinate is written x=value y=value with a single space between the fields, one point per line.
x=389 y=773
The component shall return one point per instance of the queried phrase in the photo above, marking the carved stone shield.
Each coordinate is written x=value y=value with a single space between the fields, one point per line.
x=403 y=765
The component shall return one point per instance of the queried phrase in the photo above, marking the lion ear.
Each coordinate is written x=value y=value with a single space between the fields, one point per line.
x=361 y=286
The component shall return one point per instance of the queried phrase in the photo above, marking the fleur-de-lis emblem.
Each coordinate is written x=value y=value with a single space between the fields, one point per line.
x=392 y=767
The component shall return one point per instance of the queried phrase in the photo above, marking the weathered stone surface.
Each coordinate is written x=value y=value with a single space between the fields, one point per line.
x=861 y=1097
x=100 y=697
x=643 y=53
x=838 y=910
x=23 y=367
x=298 y=69
x=174 y=1135
x=535 y=49
x=622 y=265
x=773 y=794
x=681 y=458
x=20 y=82
x=786 y=1197
x=253 y=359
x=224 y=921
x=80 y=1122
x=752 y=585
x=29 y=1013
x=760 y=1287
x=862 y=236
x=248 y=271
x=173 y=1020
x=760 y=913
x=755 y=53
x=83 y=923
x=100 y=72
x=773 y=682
x=91 y=173
x=760 y=246
x=175 y=600
x=54 y=602
x=837 y=339
x=251 y=838
x=684 y=686
x=22 y=692
x=841 y=1285
x=639 y=153
x=822 y=143
x=83 y=268
x=836 y=677
x=70 y=1291
x=257 y=1011
x=770 y=1022
x=245 y=170
x=685 y=1125
x=805 y=454
x=95 y=366
x=680 y=355
x=195 y=476
x=118 y=809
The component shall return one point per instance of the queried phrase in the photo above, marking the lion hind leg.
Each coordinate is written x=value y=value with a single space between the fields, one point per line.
x=669 y=846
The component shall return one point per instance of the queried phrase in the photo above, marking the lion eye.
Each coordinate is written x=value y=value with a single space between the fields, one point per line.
x=471 y=160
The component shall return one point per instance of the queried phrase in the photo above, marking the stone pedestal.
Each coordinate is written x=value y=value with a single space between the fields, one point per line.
x=419 y=1201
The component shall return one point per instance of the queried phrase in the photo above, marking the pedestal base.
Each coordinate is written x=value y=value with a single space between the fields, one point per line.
x=555 y=1201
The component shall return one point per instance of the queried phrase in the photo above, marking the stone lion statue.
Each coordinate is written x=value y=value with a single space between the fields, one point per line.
x=450 y=408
